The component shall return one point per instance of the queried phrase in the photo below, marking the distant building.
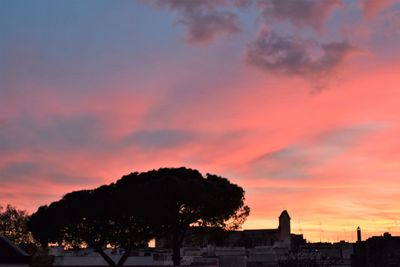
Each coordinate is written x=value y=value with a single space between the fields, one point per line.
x=212 y=247
x=205 y=236
x=377 y=251
x=247 y=248
x=11 y=255
x=320 y=254
x=269 y=237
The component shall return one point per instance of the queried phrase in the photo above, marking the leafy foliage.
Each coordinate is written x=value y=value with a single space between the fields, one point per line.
x=91 y=218
x=173 y=199
x=138 y=207
x=13 y=225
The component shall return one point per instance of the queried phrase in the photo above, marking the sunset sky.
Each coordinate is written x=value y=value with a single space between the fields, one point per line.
x=297 y=101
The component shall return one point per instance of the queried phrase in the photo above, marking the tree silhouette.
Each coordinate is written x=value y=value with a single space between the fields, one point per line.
x=13 y=225
x=177 y=198
x=138 y=207
x=91 y=218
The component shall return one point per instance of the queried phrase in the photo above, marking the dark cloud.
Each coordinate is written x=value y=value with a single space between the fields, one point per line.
x=18 y=169
x=205 y=27
x=56 y=133
x=203 y=5
x=26 y=172
x=297 y=160
x=287 y=163
x=205 y=20
x=159 y=139
x=288 y=53
x=300 y=12
x=76 y=131
x=295 y=56
x=191 y=6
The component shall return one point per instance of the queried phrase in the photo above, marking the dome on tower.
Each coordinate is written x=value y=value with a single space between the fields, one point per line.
x=284 y=214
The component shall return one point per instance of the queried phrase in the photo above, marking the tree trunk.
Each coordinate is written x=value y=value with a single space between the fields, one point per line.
x=177 y=241
x=176 y=254
x=100 y=250
x=176 y=248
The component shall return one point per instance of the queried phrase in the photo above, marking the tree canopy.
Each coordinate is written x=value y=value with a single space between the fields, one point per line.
x=90 y=218
x=13 y=225
x=177 y=198
x=141 y=206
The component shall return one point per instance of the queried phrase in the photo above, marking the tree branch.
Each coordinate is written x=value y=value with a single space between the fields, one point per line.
x=107 y=258
x=124 y=257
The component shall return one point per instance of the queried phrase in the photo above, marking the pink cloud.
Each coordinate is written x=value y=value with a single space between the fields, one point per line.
x=373 y=7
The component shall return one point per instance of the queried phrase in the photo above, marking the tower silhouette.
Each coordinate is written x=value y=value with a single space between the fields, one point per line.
x=358 y=234
x=284 y=227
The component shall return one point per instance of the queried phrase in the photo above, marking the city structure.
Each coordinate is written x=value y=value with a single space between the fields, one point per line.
x=377 y=251
x=213 y=247
x=209 y=236
x=277 y=247
x=11 y=255
x=261 y=247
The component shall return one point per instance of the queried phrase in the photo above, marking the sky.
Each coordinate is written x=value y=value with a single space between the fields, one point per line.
x=297 y=101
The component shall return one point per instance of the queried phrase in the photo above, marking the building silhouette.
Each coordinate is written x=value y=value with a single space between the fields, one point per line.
x=12 y=255
x=206 y=236
x=377 y=251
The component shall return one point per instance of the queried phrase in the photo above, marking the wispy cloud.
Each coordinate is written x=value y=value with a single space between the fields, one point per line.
x=296 y=161
x=56 y=133
x=312 y=13
x=159 y=139
x=25 y=172
x=372 y=7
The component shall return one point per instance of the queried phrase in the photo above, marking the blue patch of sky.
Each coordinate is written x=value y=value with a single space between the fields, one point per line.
x=79 y=44
x=384 y=33
x=342 y=18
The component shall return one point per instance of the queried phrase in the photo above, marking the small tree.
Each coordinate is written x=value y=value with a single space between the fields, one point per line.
x=13 y=225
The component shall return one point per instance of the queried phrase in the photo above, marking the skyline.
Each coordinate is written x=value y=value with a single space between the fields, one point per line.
x=294 y=101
